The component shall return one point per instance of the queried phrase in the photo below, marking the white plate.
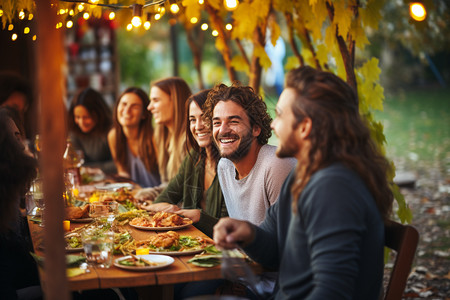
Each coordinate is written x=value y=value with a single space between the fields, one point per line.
x=163 y=259
x=178 y=253
x=114 y=186
x=81 y=220
x=160 y=228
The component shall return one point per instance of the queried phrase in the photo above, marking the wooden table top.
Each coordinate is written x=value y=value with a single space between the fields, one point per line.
x=179 y=271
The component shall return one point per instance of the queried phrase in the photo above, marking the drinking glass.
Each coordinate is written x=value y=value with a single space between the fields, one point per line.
x=98 y=245
x=38 y=198
x=69 y=186
x=101 y=210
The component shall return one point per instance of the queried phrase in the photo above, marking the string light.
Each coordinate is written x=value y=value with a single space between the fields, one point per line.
x=129 y=27
x=112 y=15
x=157 y=17
x=228 y=26
x=34 y=37
x=80 y=7
x=230 y=5
x=62 y=11
x=137 y=13
x=1 y=12
x=69 y=24
x=71 y=12
x=26 y=30
x=21 y=15
x=147 y=25
x=174 y=8
x=194 y=20
x=10 y=27
x=201 y=2
x=14 y=36
x=417 y=11
x=86 y=15
x=204 y=26
x=30 y=17
x=215 y=33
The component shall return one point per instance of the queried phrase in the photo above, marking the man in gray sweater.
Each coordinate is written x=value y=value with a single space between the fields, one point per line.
x=325 y=234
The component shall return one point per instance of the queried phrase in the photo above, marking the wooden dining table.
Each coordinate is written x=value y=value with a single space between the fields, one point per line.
x=158 y=283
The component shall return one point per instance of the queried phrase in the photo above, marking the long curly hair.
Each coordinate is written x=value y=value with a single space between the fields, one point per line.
x=17 y=170
x=245 y=96
x=147 y=148
x=95 y=104
x=338 y=133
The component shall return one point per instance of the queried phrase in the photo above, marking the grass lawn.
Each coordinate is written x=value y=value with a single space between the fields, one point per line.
x=417 y=129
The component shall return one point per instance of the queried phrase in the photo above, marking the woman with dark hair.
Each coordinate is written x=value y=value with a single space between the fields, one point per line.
x=89 y=123
x=17 y=170
x=131 y=139
x=196 y=187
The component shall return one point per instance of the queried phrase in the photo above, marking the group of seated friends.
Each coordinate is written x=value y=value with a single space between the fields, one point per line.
x=310 y=210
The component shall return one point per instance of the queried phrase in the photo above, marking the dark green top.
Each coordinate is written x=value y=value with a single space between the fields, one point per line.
x=186 y=190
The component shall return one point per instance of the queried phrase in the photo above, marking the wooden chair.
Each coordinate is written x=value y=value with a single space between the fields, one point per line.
x=403 y=239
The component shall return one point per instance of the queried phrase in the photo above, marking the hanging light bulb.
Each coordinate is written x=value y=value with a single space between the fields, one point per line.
x=230 y=5
x=86 y=15
x=147 y=23
x=1 y=12
x=204 y=26
x=21 y=15
x=112 y=15
x=26 y=30
x=228 y=26
x=80 y=7
x=417 y=11
x=71 y=12
x=34 y=37
x=129 y=27
x=194 y=20
x=137 y=14
x=157 y=17
x=174 y=8
x=201 y=2
x=10 y=27
x=14 y=36
x=30 y=17
x=69 y=24
x=215 y=33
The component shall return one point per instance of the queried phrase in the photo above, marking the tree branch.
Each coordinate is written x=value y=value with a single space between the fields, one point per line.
x=290 y=25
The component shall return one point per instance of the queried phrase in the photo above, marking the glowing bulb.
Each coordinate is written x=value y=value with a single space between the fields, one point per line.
x=62 y=11
x=204 y=26
x=136 y=21
x=71 y=12
x=129 y=27
x=69 y=24
x=1 y=12
x=147 y=25
x=94 y=1
x=417 y=11
x=215 y=33
x=112 y=15
x=21 y=15
x=162 y=10
x=174 y=8
x=86 y=15
x=80 y=7
x=10 y=27
x=30 y=17
x=228 y=26
x=194 y=20
x=14 y=36
x=230 y=4
x=34 y=37
x=201 y=2
x=26 y=30
x=157 y=17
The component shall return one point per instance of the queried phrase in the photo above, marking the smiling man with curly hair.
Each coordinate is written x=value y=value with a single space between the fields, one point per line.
x=249 y=172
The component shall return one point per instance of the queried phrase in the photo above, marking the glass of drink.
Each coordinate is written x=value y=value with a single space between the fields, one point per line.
x=103 y=210
x=38 y=198
x=98 y=245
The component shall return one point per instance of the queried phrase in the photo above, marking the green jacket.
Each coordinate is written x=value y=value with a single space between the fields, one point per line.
x=186 y=190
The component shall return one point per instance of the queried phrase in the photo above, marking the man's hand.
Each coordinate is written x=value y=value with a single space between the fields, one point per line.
x=193 y=214
x=228 y=233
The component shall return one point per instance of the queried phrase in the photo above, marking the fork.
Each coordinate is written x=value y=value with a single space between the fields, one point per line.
x=235 y=269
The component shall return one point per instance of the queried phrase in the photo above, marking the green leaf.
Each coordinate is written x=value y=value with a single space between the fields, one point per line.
x=403 y=212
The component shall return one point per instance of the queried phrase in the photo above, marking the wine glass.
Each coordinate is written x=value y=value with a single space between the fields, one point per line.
x=104 y=208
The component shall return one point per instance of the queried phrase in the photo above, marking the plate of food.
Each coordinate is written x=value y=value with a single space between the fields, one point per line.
x=78 y=214
x=161 y=221
x=82 y=220
x=147 y=262
x=73 y=242
x=171 y=243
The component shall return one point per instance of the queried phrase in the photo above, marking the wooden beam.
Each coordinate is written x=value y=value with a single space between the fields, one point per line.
x=52 y=129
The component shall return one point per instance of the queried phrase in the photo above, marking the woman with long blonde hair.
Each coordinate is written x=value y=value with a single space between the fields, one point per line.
x=167 y=105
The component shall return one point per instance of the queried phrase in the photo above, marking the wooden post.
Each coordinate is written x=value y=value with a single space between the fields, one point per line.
x=50 y=63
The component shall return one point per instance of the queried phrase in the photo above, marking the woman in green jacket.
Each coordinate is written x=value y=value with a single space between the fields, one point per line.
x=195 y=191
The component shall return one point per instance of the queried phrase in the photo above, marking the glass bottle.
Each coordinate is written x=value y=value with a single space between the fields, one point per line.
x=72 y=162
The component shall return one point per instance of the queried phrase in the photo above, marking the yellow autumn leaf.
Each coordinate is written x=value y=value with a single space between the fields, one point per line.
x=97 y=11
x=244 y=22
x=275 y=31
x=292 y=62
x=322 y=54
x=370 y=14
x=370 y=70
x=330 y=37
x=359 y=35
x=261 y=8
x=308 y=57
x=283 y=5
x=216 y=4
x=264 y=59
x=220 y=44
x=192 y=10
x=239 y=64
x=342 y=17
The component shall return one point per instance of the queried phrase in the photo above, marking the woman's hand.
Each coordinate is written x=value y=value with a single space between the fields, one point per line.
x=193 y=214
